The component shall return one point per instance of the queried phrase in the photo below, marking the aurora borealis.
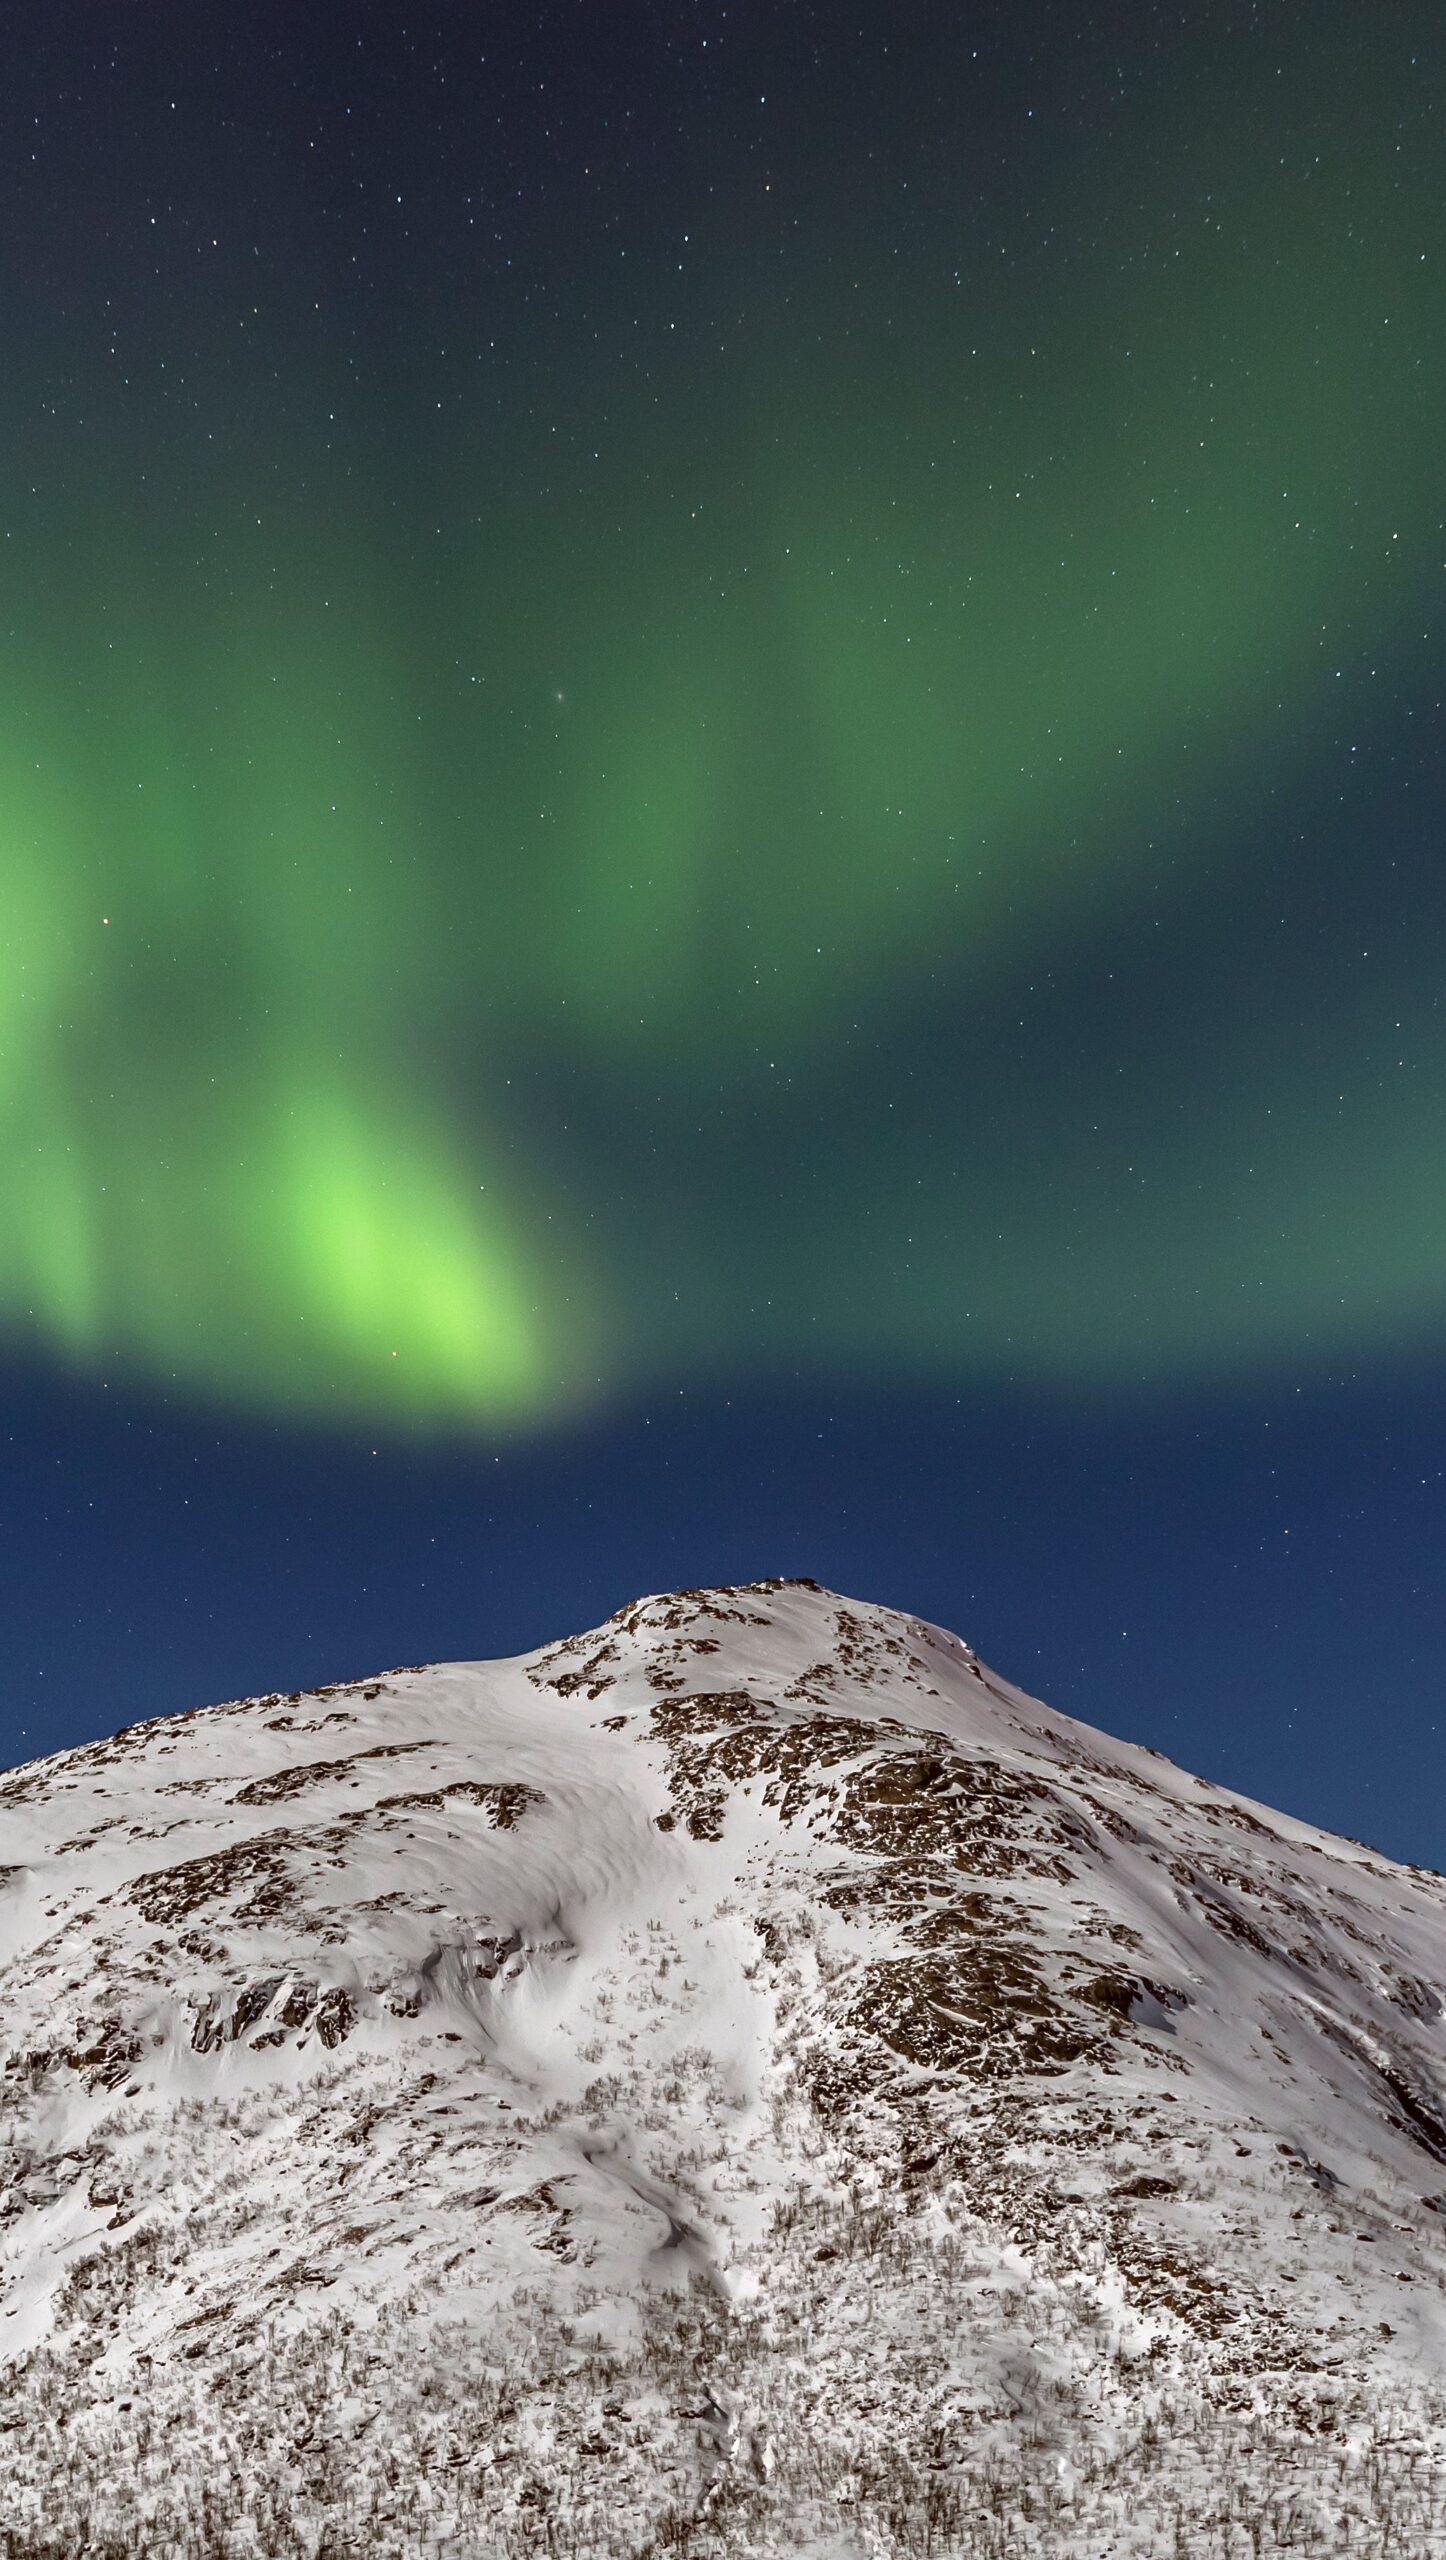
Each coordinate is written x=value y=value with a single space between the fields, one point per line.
x=669 y=714
x=719 y=707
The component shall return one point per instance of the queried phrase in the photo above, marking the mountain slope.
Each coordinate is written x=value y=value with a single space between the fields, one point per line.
x=741 y=2080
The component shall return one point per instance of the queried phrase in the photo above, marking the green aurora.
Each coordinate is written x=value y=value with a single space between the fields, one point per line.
x=486 y=930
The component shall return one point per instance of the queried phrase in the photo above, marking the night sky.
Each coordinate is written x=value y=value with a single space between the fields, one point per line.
x=721 y=785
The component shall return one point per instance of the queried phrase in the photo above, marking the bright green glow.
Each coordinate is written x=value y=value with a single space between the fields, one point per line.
x=428 y=991
x=213 y=1168
x=302 y=1246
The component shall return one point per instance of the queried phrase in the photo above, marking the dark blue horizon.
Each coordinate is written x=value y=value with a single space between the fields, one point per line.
x=1250 y=1584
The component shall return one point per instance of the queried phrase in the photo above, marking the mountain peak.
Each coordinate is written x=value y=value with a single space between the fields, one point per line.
x=739 y=2067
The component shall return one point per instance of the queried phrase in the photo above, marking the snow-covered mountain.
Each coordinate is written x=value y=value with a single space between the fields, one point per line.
x=744 y=2080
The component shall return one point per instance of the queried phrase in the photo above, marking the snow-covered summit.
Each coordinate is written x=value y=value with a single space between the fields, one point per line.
x=742 y=2079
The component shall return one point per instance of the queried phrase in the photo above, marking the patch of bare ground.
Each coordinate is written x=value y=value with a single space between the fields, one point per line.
x=271 y=1871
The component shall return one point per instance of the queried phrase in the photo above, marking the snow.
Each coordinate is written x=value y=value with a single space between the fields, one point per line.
x=743 y=2079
